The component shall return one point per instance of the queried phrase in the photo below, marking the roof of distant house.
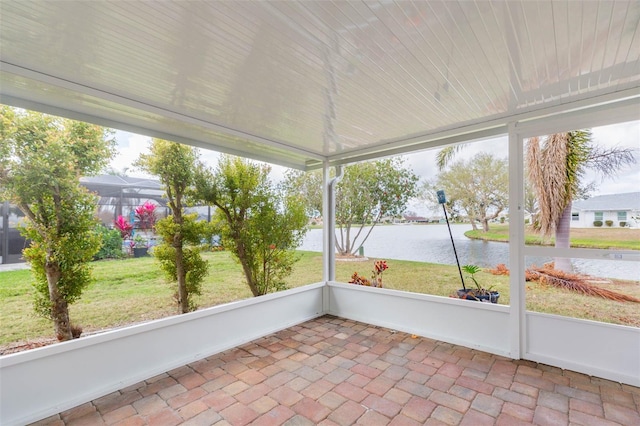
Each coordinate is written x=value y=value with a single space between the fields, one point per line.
x=414 y=218
x=626 y=201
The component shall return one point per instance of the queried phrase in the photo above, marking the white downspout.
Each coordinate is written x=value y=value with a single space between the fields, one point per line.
x=329 y=222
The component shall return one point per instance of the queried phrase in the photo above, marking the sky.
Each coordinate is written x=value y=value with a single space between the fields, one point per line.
x=423 y=163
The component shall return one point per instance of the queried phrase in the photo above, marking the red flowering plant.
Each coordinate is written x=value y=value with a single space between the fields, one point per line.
x=123 y=226
x=145 y=214
x=376 y=278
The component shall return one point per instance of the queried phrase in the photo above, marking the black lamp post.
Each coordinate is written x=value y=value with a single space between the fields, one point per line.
x=442 y=199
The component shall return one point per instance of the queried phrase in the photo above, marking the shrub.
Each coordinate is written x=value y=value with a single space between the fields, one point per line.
x=609 y=222
x=111 y=243
x=623 y=224
x=376 y=278
x=597 y=223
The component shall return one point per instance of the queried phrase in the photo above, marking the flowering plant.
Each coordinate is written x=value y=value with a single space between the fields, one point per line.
x=376 y=278
x=123 y=226
x=146 y=215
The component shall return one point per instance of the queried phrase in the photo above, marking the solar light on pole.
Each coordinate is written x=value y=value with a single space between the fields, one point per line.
x=442 y=199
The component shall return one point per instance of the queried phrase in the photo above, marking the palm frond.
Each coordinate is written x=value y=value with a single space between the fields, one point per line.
x=536 y=177
x=547 y=171
x=445 y=155
x=575 y=283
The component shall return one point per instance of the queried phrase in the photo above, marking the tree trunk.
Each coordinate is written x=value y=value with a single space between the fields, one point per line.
x=485 y=225
x=59 y=306
x=246 y=268
x=181 y=274
x=250 y=280
x=563 y=228
x=347 y=244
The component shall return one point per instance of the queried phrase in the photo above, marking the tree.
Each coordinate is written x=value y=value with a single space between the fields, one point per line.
x=427 y=194
x=258 y=224
x=307 y=185
x=366 y=194
x=480 y=187
x=530 y=201
x=41 y=162
x=179 y=252
x=555 y=166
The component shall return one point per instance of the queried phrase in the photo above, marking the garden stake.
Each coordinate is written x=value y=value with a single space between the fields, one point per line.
x=442 y=199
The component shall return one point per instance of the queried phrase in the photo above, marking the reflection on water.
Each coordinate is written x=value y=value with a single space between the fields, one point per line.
x=431 y=243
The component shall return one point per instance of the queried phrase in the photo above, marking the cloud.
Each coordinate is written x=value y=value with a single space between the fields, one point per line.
x=130 y=146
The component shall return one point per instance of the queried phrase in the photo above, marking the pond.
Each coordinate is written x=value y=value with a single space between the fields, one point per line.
x=431 y=243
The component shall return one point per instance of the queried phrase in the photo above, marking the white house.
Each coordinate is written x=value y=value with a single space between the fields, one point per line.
x=620 y=209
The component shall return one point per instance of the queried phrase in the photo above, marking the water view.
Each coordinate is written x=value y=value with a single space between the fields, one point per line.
x=431 y=243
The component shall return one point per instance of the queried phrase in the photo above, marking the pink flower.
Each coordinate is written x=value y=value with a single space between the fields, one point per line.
x=146 y=215
x=123 y=226
x=146 y=209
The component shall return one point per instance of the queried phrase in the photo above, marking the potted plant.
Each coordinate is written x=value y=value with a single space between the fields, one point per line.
x=479 y=293
x=140 y=246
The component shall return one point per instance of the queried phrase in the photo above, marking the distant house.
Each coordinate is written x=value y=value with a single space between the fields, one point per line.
x=414 y=219
x=620 y=209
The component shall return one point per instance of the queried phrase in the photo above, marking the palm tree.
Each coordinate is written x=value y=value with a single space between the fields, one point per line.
x=446 y=154
x=554 y=169
x=555 y=166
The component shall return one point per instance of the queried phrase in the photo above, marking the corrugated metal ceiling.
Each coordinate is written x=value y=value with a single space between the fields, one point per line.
x=296 y=82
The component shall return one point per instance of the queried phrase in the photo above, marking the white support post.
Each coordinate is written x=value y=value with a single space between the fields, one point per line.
x=516 y=243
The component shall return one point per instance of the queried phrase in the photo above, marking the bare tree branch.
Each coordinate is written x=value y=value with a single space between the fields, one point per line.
x=609 y=161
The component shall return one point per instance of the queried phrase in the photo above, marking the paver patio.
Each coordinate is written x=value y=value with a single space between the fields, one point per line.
x=332 y=371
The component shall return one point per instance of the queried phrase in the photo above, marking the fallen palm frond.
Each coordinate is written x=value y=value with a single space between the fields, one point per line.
x=501 y=269
x=573 y=282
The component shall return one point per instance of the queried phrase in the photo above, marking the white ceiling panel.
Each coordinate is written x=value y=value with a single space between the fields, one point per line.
x=298 y=82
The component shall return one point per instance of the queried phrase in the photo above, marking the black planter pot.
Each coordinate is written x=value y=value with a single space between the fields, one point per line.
x=471 y=294
x=140 y=251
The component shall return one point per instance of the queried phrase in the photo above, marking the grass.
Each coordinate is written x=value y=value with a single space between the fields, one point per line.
x=134 y=290
x=599 y=238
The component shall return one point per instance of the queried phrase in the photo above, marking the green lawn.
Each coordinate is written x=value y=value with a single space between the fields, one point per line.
x=133 y=290
x=600 y=238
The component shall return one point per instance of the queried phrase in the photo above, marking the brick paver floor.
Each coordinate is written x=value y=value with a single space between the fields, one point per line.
x=332 y=371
